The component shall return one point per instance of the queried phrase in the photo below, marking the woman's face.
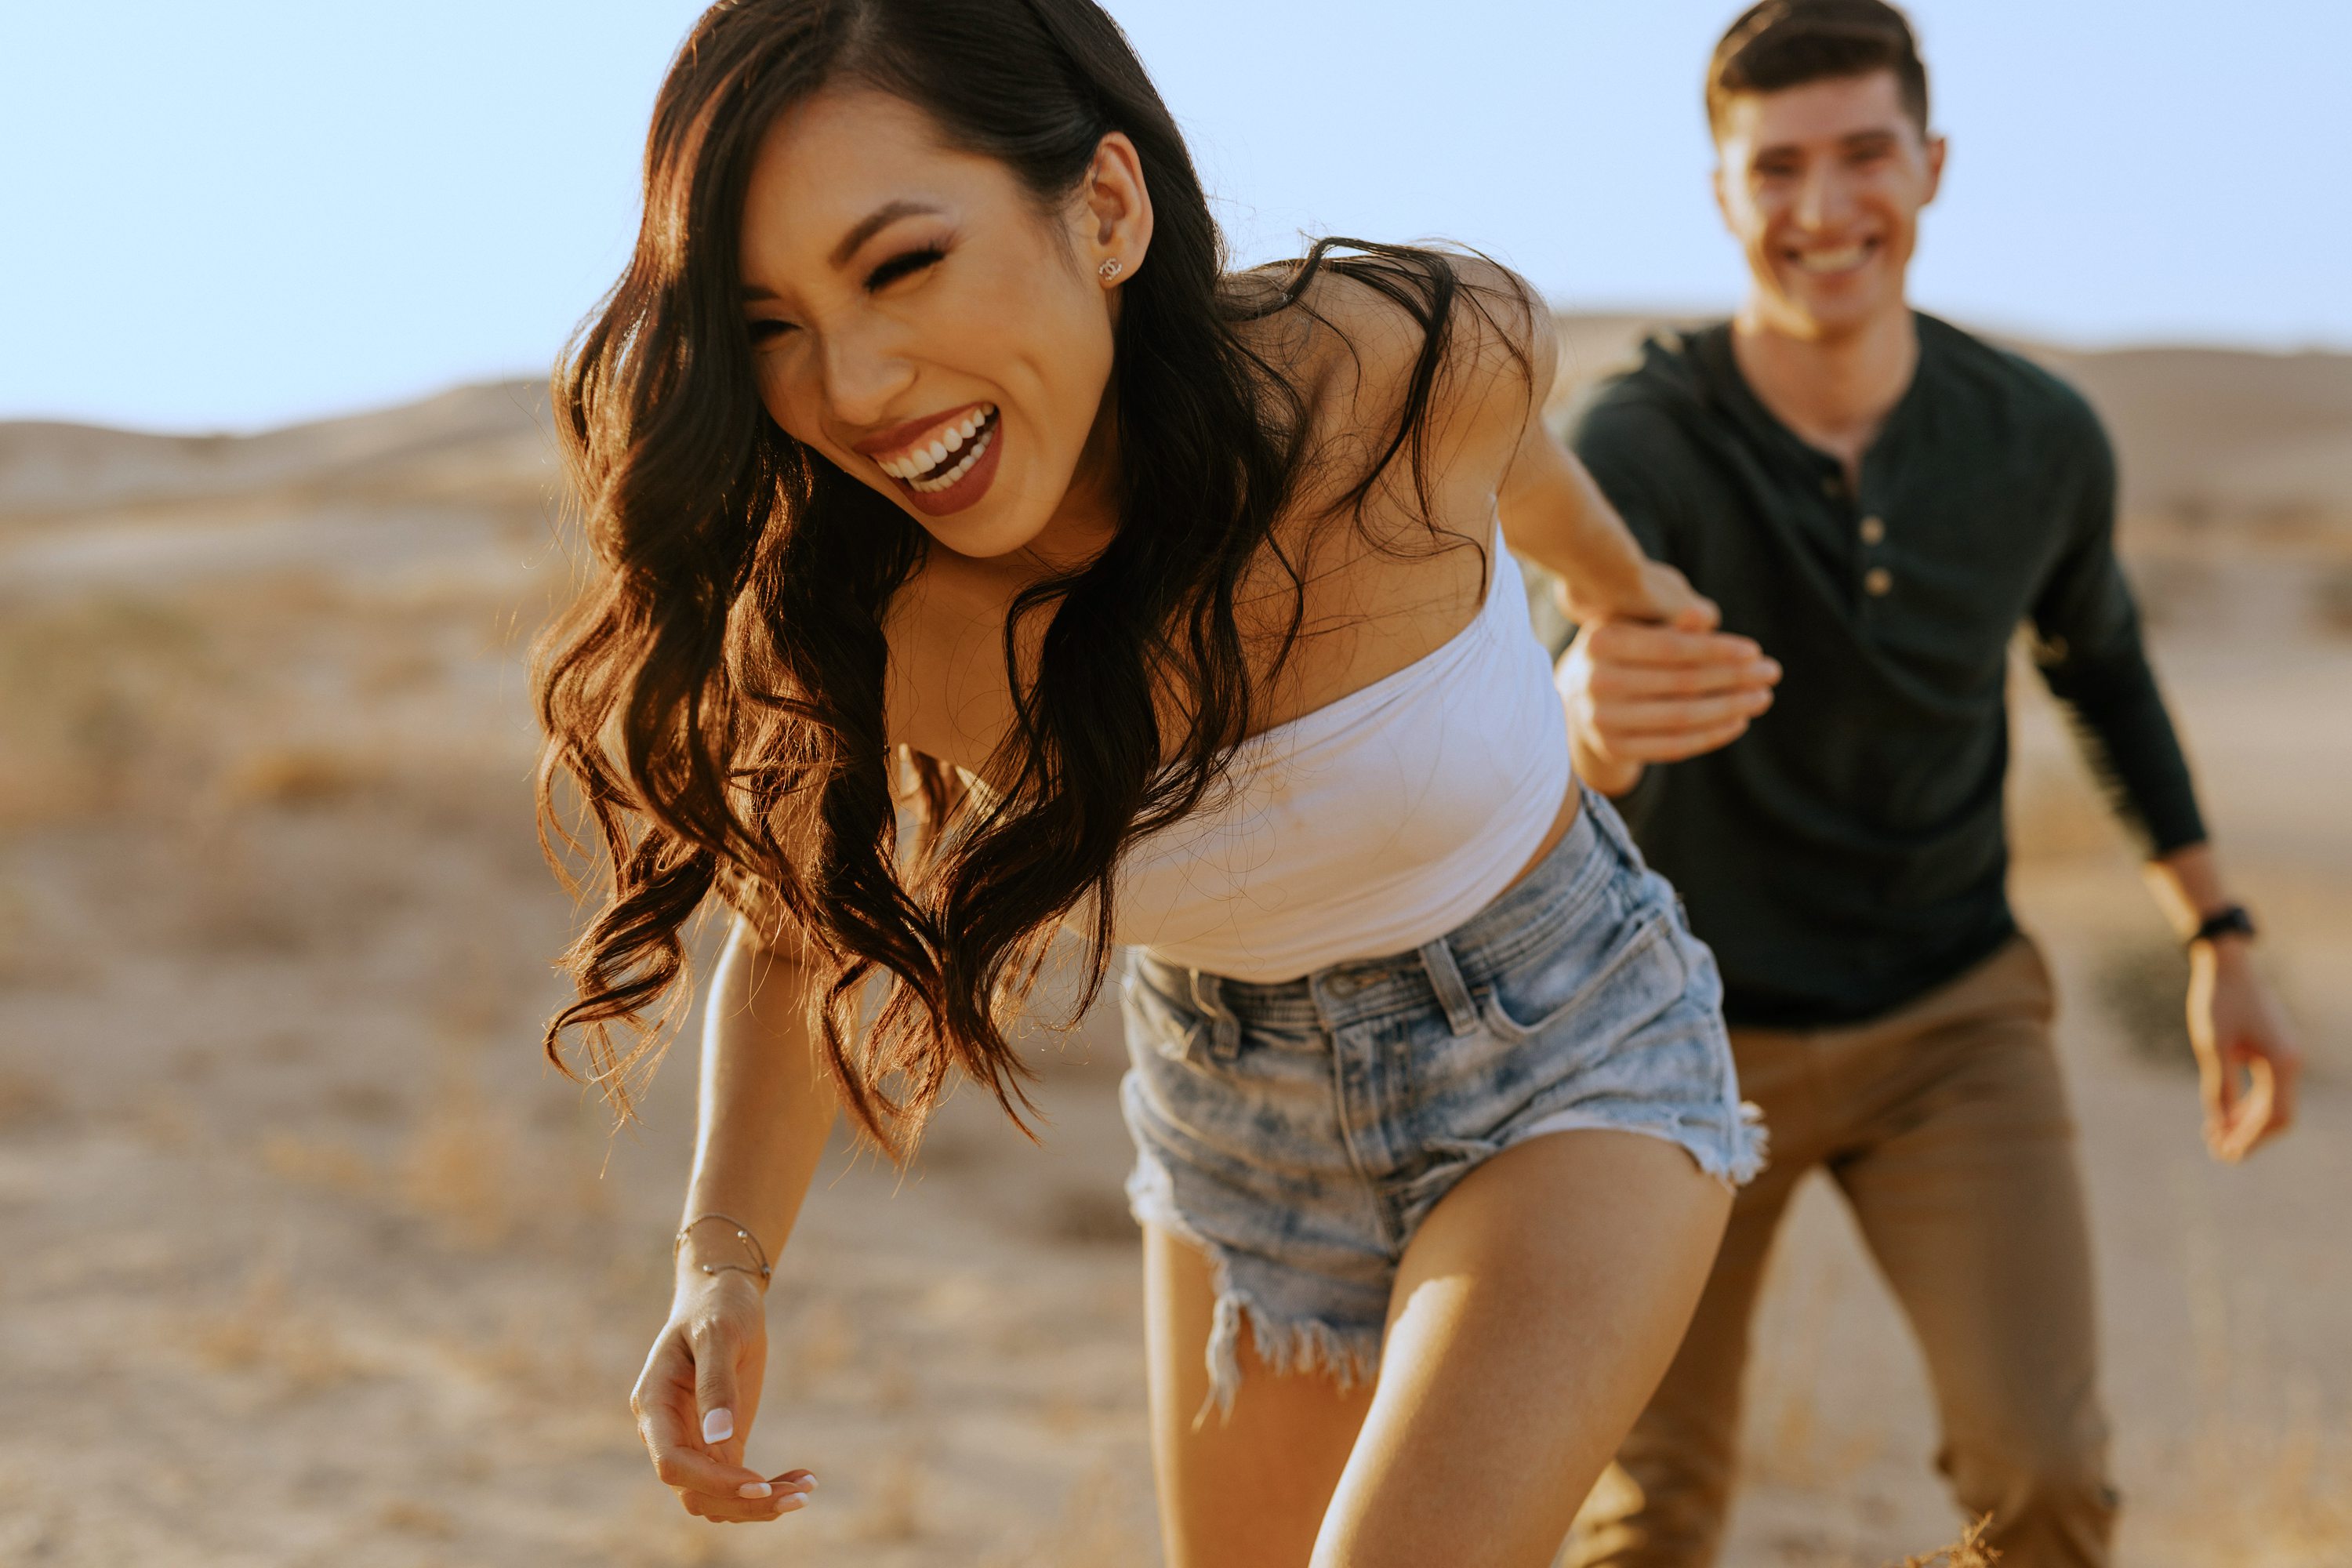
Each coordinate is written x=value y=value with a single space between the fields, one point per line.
x=918 y=320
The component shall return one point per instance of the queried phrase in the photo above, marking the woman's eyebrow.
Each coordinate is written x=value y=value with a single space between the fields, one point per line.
x=874 y=223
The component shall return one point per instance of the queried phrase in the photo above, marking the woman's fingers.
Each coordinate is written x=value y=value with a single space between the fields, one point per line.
x=668 y=1421
x=787 y=1493
x=715 y=1359
x=683 y=1464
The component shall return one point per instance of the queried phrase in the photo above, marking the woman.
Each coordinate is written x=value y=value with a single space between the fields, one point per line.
x=932 y=461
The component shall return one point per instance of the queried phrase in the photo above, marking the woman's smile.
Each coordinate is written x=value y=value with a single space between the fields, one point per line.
x=950 y=463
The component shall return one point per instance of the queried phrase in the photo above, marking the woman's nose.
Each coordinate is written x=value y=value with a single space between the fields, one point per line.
x=863 y=377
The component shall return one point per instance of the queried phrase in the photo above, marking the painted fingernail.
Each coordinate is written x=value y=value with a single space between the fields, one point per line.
x=793 y=1503
x=754 y=1488
x=718 y=1426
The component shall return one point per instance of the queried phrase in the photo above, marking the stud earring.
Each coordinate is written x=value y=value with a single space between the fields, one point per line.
x=1110 y=269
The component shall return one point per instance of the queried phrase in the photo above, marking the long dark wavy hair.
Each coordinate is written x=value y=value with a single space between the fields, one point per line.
x=715 y=697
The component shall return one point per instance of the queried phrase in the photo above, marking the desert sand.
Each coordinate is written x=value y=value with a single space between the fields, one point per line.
x=308 y=1257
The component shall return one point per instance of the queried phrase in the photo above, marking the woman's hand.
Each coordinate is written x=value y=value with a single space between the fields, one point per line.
x=698 y=1394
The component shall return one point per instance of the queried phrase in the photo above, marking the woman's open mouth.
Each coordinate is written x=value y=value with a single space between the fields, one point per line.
x=953 y=467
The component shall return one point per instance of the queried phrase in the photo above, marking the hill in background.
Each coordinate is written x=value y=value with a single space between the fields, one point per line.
x=2205 y=435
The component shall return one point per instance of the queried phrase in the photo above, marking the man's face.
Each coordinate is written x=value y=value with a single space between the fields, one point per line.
x=1823 y=185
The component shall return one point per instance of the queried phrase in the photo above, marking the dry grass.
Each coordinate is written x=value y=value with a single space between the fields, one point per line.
x=2263 y=1496
x=296 y=777
x=893 y=1509
x=2331 y=601
x=1969 y=1551
x=26 y=1099
x=318 y=1162
x=265 y=1333
x=1098 y=1527
x=457 y=1170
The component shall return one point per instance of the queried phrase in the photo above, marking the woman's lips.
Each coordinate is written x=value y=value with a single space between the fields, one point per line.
x=961 y=479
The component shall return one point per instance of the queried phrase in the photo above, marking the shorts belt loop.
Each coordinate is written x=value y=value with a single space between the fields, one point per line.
x=1224 y=1029
x=1445 y=979
x=1611 y=825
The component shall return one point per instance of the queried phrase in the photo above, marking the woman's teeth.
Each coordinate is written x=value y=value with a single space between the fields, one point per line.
x=919 y=466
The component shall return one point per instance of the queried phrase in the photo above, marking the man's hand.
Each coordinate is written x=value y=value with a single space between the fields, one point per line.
x=1638 y=693
x=2247 y=1063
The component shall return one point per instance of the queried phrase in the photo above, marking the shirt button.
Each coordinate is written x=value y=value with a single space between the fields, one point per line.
x=1873 y=530
x=1877 y=582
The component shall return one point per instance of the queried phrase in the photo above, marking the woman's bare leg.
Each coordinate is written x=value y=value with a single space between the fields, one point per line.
x=1534 y=1313
x=1251 y=1491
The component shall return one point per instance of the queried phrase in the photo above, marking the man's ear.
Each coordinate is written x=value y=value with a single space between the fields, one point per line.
x=1114 y=214
x=1722 y=194
x=1937 y=147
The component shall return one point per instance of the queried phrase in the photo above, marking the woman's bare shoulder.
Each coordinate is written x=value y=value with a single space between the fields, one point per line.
x=1353 y=340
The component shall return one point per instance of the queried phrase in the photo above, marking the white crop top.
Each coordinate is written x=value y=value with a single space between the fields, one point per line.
x=1372 y=825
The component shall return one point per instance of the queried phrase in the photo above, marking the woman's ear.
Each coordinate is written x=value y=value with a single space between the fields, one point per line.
x=1113 y=211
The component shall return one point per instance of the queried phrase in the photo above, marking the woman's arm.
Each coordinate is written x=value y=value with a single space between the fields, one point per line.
x=1555 y=515
x=767 y=1106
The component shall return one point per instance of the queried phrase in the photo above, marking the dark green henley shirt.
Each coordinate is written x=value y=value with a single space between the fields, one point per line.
x=1848 y=852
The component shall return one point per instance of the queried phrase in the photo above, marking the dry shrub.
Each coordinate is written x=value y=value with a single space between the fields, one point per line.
x=824 y=1339
x=1969 y=1551
x=1087 y=1217
x=2265 y=1497
x=1098 y=1527
x=318 y=1162
x=263 y=1332
x=457 y=1170
x=2331 y=601
x=893 y=1509
x=297 y=778
x=26 y=1101
x=104 y=694
x=406 y=1516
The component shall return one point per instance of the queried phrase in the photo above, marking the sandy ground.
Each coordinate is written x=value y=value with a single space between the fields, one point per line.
x=305 y=1257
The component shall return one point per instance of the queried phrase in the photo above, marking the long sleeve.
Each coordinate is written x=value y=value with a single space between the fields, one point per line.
x=2092 y=656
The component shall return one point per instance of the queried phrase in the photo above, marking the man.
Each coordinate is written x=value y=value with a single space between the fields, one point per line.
x=1876 y=499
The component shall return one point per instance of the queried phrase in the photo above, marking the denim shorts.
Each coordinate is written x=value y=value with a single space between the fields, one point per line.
x=1299 y=1133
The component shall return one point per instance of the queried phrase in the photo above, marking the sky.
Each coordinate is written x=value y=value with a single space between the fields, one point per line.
x=249 y=212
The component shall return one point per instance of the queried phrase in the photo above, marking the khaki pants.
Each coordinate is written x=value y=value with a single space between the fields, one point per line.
x=1945 y=1125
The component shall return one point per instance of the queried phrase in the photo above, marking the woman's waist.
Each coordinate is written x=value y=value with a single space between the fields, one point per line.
x=1561 y=889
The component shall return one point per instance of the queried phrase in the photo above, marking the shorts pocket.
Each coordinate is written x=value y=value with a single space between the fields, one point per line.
x=1635 y=978
x=1155 y=1018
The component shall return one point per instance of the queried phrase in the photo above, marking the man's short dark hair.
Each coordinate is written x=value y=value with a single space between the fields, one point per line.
x=1782 y=44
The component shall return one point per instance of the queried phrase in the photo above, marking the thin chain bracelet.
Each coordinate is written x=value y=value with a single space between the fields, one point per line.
x=742 y=1233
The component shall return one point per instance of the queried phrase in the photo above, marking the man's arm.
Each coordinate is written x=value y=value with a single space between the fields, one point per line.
x=2094 y=661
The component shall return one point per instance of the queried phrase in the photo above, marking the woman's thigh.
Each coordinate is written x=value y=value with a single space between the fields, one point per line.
x=1248 y=1491
x=1534 y=1313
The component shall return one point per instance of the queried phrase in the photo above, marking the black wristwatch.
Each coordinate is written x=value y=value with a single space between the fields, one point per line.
x=2231 y=922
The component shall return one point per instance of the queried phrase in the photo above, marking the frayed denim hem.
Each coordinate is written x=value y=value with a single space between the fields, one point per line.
x=1734 y=1160
x=1286 y=1346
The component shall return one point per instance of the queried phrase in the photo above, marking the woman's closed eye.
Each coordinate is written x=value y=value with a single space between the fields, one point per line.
x=906 y=264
